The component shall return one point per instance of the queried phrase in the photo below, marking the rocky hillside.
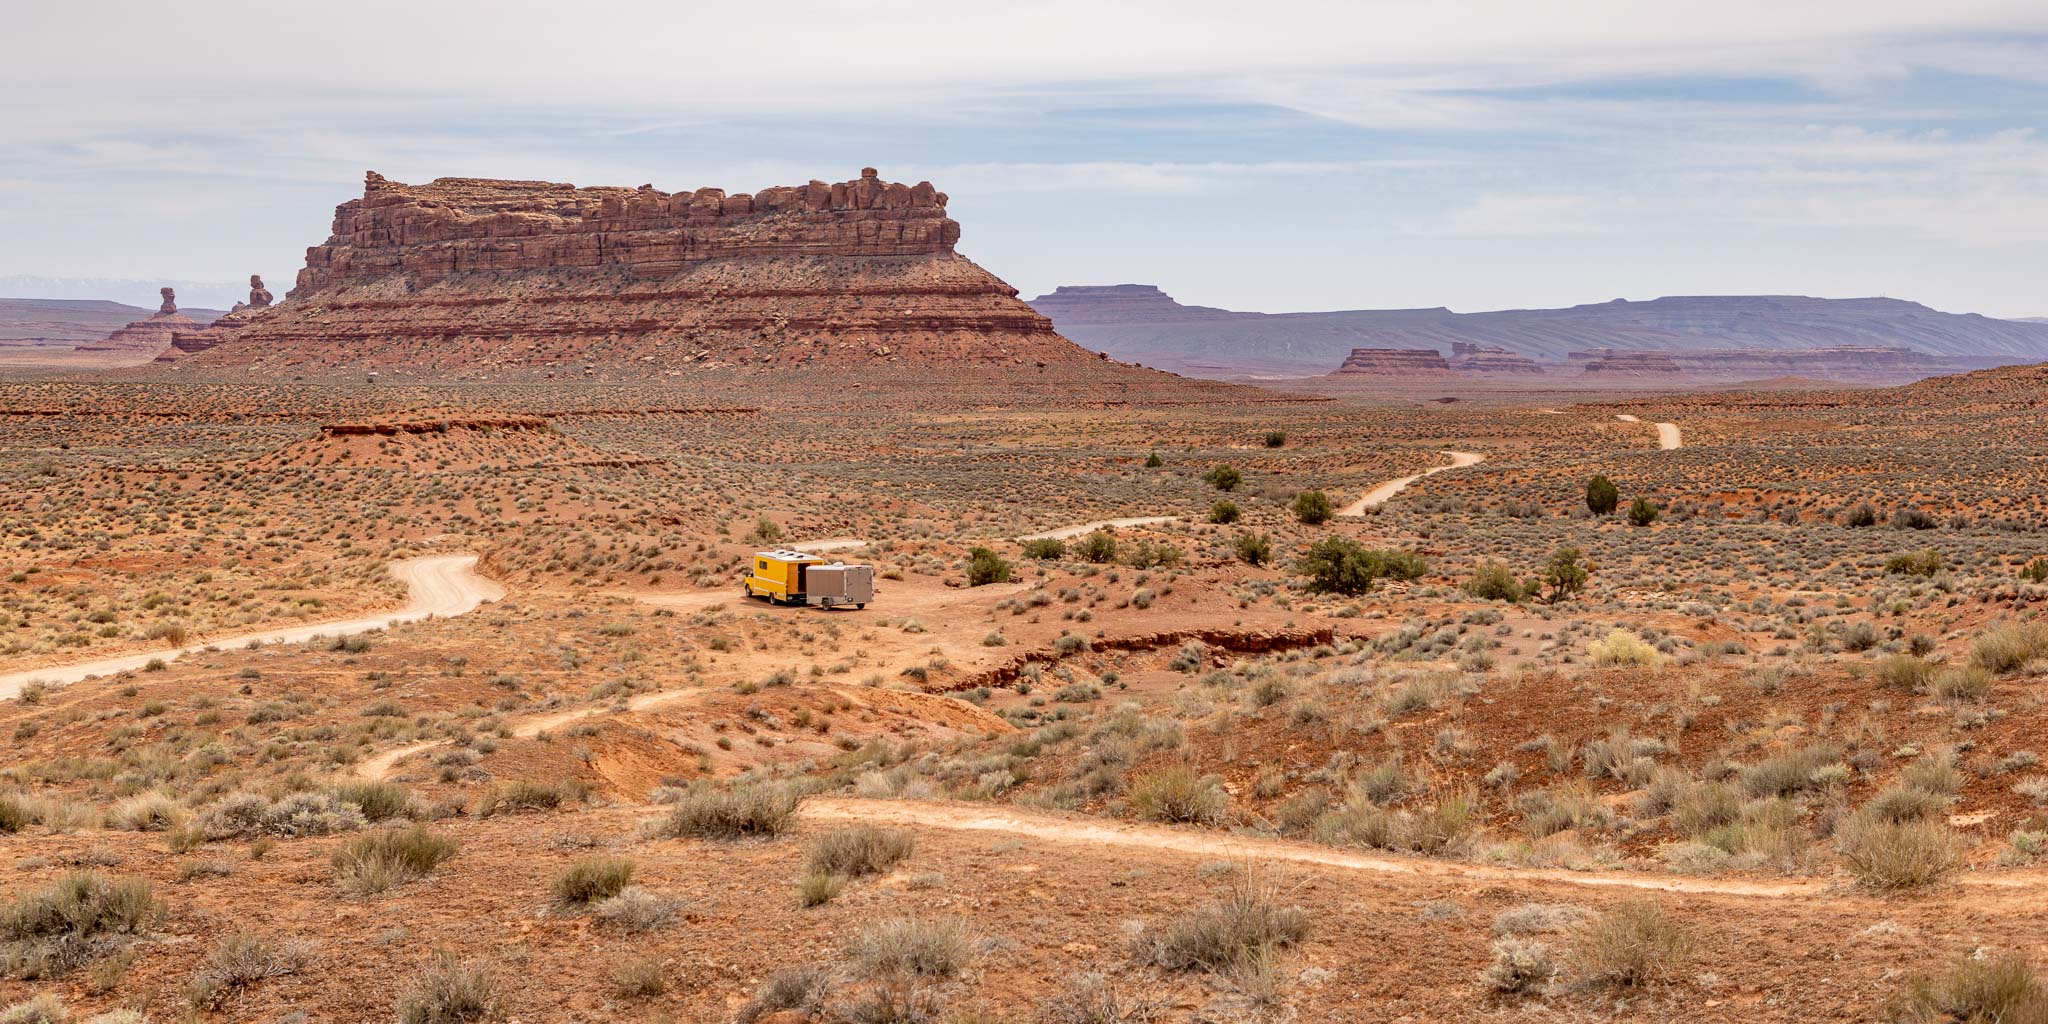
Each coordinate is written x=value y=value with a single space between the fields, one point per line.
x=1142 y=324
x=474 y=278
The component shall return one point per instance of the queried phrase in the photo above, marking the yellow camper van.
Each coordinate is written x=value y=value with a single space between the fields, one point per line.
x=793 y=577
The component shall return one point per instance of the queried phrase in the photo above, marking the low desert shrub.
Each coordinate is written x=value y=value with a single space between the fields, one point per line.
x=247 y=815
x=1176 y=793
x=2000 y=990
x=1961 y=682
x=522 y=795
x=1339 y=565
x=913 y=947
x=384 y=860
x=145 y=812
x=743 y=809
x=1226 y=936
x=591 y=879
x=47 y=932
x=1925 y=562
x=2004 y=649
x=1634 y=944
x=801 y=989
x=1622 y=647
x=1312 y=508
x=1493 y=581
x=1519 y=967
x=240 y=960
x=1045 y=549
x=636 y=910
x=1904 y=672
x=42 y=1009
x=449 y=991
x=984 y=567
x=860 y=851
x=1886 y=854
x=379 y=801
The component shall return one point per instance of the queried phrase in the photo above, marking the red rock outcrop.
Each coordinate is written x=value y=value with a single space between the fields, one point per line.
x=466 y=277
x=151 y=335
x=1406 y=362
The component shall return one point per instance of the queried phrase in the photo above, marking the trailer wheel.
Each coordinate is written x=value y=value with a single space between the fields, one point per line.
x=859 y=606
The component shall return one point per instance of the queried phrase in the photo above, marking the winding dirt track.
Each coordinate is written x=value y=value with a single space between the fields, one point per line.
x=1380 y=494
x=443 y=585
x=1054 y=827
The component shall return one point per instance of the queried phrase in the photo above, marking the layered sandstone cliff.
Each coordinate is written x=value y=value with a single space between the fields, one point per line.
x=1406 y=362
x=466 y=276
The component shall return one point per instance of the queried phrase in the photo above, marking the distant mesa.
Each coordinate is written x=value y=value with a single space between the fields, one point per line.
x=1141 y=323
x=1467 y=357
x=1401 y=362
x=469 y=277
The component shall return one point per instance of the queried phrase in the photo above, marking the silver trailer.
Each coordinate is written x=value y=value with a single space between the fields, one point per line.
x=829 y=586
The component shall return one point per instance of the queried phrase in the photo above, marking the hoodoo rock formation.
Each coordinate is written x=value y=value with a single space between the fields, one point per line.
x=151 y=335
x=1404 y=362
x=198 y=338
x=467 y=276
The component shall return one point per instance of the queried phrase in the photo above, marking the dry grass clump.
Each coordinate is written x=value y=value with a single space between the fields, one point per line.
x=384 y=860
x=522 y=795
x=1885 y=854
x=1094 y=999
x=240 y=960
x=379 y=801
x=243 y=815
x=1622 y=647
x=1233 y=936
x=913 y=947
x=2003 y=649
x=449 y=992
x=801 y=989
x=2000 y=991
x=860 y=851
x=591 y=879
x=1519 y=967
x=1634 y=944
x=16 y=813
x=1961 y=682
x=1175 y=793
x=636 y=910
x=145 y=812
x=1428 y=828
x=741 y=810
x=48 y=932
x=43 y=1009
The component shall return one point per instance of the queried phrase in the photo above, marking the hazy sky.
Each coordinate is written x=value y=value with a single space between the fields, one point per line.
x=1274 y=156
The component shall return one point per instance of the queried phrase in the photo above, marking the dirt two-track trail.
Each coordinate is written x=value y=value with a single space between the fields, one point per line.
x=1380 y=495
x=440 y=585
x=1668 y=436
x=2025 y=889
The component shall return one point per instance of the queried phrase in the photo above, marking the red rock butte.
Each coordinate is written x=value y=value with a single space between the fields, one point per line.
x=465 y=276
